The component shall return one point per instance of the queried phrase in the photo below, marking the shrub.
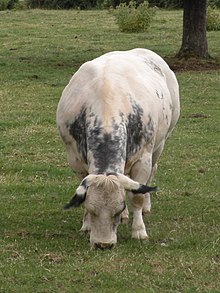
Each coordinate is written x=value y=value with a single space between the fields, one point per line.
x=7 y=4
x=3 y=4
x=61 y=4
x=133 y=18
x=213 y=3
x=212 y=19
x=167 y=3
x=158 y=3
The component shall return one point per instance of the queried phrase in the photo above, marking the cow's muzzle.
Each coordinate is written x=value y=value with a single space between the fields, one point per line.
x=104 y=245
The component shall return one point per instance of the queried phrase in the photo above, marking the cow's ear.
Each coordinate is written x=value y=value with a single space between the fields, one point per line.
x=134 y=186
x=76 y=201
x=80 y=195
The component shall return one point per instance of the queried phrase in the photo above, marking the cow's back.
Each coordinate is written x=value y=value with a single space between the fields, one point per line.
x=112 y=77
x=131 y=95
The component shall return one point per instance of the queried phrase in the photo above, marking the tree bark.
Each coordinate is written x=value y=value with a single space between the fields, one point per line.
x=194 y=41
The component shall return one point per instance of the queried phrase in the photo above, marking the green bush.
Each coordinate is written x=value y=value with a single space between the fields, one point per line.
x=133 y=18
x=3 y=4
x=212 y=19
x=178 y=3
x=7 y=4
x=87 y=4
x=167 y=3
x=213 y=3
x=61 y=4
x=158 y=3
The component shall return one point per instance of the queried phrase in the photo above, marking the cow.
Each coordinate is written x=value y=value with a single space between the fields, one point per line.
x=114 y=117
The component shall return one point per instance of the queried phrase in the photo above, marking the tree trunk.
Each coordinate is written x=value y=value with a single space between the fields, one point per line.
x=194 y=41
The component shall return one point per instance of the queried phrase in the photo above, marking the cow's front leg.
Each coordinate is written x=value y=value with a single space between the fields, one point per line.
x=86 y=227
x=138 y=226
x=141 y=172
x=155 y=157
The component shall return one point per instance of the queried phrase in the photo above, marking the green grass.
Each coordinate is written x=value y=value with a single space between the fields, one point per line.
x=41 y=248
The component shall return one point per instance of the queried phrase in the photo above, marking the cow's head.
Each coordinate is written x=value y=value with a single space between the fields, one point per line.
x=104 y=197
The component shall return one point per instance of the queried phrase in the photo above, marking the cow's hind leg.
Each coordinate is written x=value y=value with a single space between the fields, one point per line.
x=125 y=216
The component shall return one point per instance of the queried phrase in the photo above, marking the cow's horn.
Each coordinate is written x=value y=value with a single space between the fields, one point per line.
x=134 y=186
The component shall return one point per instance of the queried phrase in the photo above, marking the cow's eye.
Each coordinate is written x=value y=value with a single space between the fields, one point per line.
x=121 y=210
x=116 y=220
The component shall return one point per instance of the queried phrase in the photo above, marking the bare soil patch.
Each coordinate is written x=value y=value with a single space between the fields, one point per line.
x=193 y=64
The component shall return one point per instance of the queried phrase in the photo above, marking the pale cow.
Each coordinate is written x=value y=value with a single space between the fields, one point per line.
x=114 y=117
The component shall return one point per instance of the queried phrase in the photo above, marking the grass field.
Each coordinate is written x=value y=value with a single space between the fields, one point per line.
x=41 y=248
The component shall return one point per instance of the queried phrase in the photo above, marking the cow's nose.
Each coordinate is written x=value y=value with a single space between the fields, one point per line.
x=104 y=245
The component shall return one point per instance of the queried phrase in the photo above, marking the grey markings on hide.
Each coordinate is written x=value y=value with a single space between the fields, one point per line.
x=111 y=149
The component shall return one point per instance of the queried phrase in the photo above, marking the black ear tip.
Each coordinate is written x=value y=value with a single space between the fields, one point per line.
x=75 y=202
x=144 y=189
x=152 y=188
x=67 y=206
x=155 y=188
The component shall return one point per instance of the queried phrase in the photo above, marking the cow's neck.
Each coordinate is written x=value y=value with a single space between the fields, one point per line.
x=106 y=147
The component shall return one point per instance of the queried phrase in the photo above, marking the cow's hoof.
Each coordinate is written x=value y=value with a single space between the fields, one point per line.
x=139 y=234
